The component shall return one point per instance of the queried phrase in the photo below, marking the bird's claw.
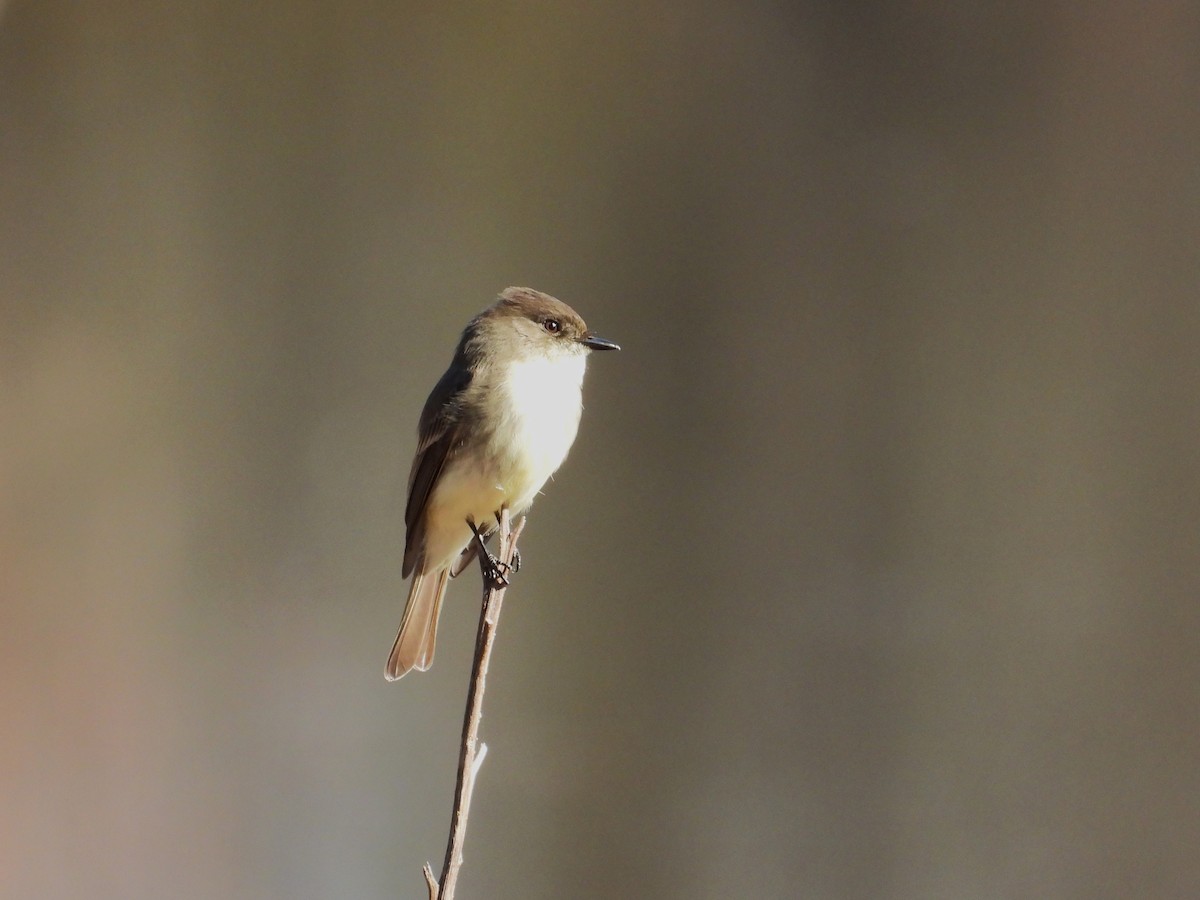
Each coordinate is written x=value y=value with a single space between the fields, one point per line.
x=495 y=573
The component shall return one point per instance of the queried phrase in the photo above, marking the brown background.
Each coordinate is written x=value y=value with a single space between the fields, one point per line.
x=873 y=573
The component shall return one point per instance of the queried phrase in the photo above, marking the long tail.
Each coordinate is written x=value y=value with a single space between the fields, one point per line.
x=418 y=630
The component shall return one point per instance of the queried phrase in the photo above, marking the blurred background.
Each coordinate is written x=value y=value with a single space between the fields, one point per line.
x=873 y=572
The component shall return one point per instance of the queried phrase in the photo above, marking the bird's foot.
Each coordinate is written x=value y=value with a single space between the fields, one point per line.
x=494 y=570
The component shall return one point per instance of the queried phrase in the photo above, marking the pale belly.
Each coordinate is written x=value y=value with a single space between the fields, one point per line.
x=462 y=494
x=530 y=442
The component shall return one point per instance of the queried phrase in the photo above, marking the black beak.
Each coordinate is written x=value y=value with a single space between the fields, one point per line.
x=592 y=342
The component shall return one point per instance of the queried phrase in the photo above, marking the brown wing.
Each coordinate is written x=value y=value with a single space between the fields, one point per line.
x=440 y=440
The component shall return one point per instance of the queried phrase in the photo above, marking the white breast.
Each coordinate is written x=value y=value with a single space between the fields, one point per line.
x=542 y=417
x=538 y=416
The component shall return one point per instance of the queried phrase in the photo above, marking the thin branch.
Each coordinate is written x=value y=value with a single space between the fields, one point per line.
x=471 y=752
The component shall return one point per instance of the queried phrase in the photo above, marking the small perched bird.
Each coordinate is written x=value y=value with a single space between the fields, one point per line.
x=495 y=428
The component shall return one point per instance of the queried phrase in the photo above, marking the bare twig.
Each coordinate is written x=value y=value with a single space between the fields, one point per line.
x=471 y=753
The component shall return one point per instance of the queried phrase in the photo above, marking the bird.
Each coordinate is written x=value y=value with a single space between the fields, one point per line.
x=495 y=427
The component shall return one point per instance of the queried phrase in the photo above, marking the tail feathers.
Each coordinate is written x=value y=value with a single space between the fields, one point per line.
x=418 y=630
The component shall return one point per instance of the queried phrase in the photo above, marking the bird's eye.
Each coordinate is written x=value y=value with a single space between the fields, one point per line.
x=552 y=325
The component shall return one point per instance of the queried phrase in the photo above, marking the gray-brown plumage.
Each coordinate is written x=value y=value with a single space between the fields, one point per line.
x=494 y=429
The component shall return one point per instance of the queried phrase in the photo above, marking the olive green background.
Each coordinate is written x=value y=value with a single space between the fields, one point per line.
x=873 y=573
